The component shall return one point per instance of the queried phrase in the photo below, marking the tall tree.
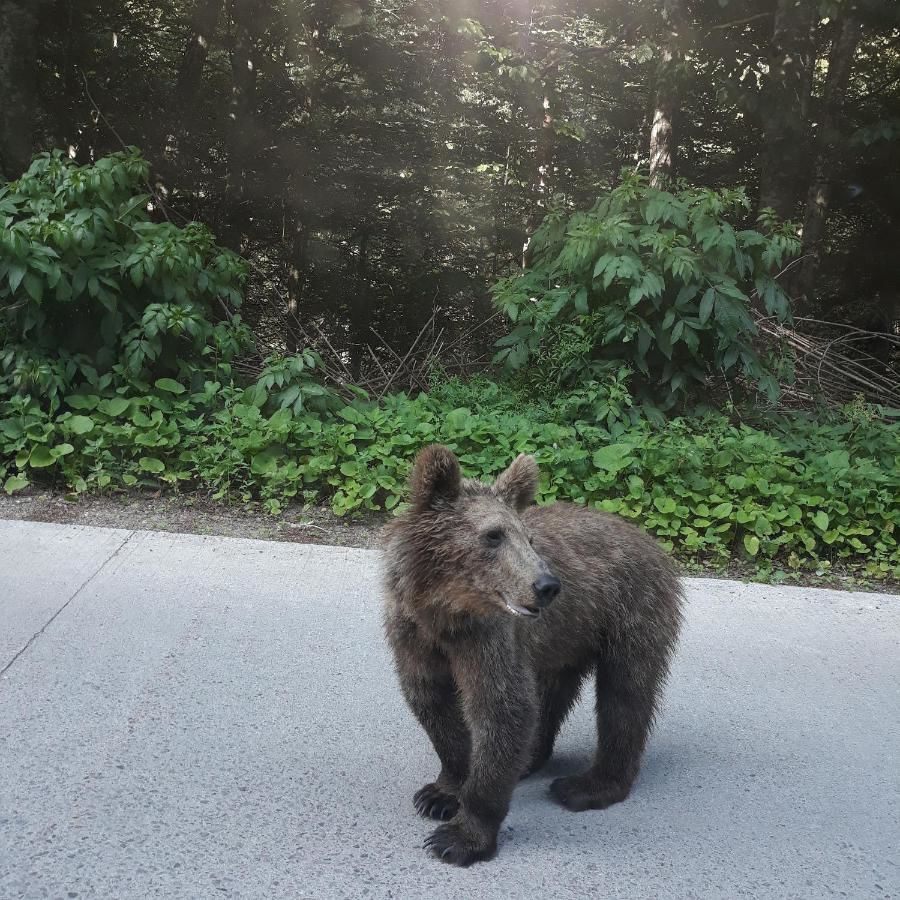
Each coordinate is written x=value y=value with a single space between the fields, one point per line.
x=241 y=134
x=180 y=125
x=360 y=310
x=204 y=21
x=847 y=34
x=445 y=129
x=662 y=129
x=18 y=26
x=785 y=106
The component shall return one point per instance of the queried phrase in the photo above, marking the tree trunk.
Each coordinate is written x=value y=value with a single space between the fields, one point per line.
x=240 y=131
x=546 y=141
x=785 y=106
x=360 y=314
x=190 y=73
x=542 y=110
x=18 y=33
x=662 y=131
x=840 y=62
x=297 y=274
x=204 y=21
x=65 y=23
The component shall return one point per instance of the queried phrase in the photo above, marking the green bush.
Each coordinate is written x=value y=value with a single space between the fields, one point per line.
x=115 y=373
x=93 y=292
x=292 y=382
x=804 y=495
x=657 y=280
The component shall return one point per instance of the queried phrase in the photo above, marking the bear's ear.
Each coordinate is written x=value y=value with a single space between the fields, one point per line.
x=518 y=484
x=435 y=477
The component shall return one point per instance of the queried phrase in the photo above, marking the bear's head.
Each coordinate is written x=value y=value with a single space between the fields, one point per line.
x=463 y=544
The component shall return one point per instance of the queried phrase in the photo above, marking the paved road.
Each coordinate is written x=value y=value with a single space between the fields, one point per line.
x=192 y=717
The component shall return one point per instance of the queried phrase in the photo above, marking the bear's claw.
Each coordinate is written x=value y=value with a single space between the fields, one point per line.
x=433 y=803
x=450 y=844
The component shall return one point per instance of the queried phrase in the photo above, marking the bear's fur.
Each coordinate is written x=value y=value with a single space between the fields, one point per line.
x=489 y=673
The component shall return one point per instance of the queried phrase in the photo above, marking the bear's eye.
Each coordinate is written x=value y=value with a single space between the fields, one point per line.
x=493 y=538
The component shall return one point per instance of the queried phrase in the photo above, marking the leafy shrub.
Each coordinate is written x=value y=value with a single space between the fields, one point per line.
x=290 y=382
x=92 y=291
x=804 y=495
x=658 y=280
x=114 y=373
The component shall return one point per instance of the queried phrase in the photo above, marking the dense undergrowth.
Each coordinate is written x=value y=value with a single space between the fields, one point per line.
x=138 y=390
x=802 y=494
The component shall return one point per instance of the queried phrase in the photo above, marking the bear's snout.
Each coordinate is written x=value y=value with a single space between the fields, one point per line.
x=546 y=588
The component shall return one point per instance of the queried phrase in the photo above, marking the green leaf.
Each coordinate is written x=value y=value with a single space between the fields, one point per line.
x=459 y=419
x=731 y=355
x=820 y=520
x=581 y=300
x=685 y=295
x=602 y=263
x=643 y=341
x=613 y=458
x=151 y=464
x=41 y=457
x=115 y=406
x=15 y=483
x=80 y=424
x=722 y=511
x=82 y=401
x=665 y=505
x=706 y=305
x=16 y=274
x=34 y=286
x=266 y=462
x=751 y=544
x=349 y=414
x=170 y=385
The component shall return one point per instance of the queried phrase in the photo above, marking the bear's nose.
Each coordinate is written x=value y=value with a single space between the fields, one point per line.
x=546 y=587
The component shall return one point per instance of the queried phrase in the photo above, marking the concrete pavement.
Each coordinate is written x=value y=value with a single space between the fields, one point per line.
x=192 y=717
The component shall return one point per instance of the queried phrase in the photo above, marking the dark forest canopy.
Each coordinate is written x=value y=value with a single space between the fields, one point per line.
x=378 y=162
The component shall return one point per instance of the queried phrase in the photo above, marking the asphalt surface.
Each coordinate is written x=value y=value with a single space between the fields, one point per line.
x=193 y=717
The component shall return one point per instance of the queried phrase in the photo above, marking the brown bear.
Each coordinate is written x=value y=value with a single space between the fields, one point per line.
x=496 y=613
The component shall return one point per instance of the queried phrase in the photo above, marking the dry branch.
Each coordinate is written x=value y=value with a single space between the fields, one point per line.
x=829 y=367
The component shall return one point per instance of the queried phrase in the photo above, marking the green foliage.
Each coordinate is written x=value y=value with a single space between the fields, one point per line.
x=803 y=495
x=92 y=291
x=423 y=126
x=660 y=281
x=290 y=382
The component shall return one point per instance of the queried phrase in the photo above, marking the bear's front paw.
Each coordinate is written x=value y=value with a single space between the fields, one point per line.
x=456 y=844
x=433 y=803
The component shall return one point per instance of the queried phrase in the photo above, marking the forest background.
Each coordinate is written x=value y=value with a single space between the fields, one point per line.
x=652 y=242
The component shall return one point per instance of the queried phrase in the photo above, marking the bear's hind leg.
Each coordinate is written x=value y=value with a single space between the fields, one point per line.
x=627 y=692
x=558 y=693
